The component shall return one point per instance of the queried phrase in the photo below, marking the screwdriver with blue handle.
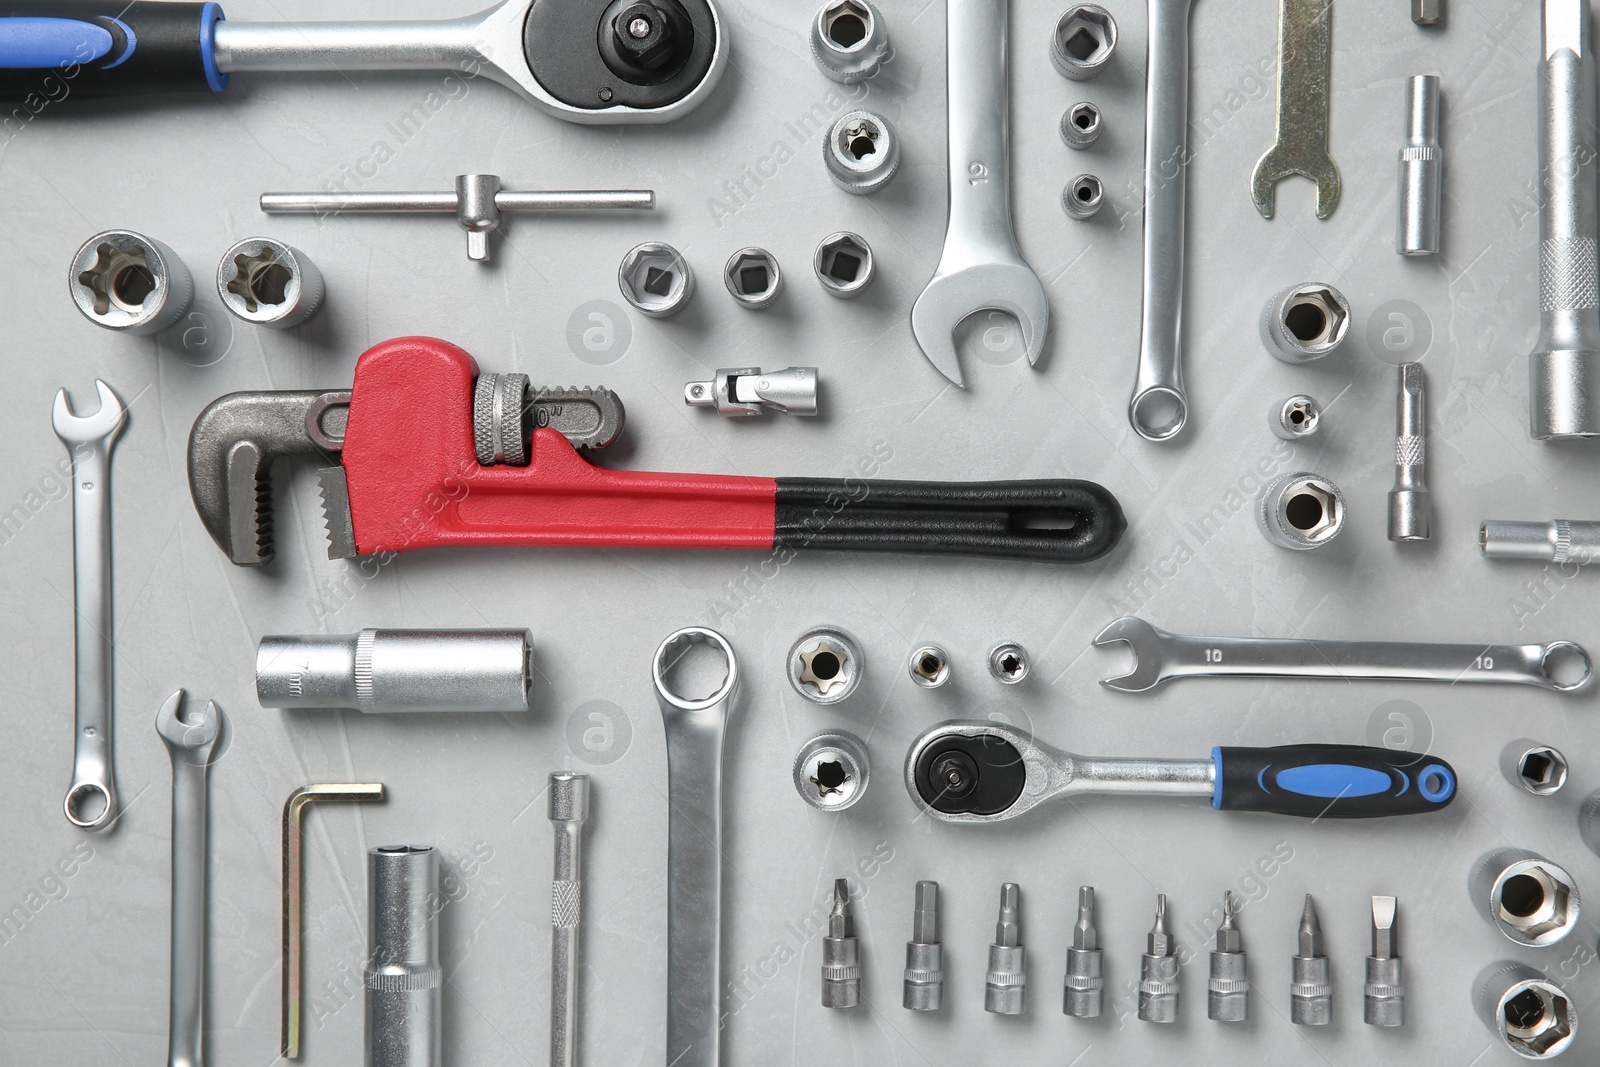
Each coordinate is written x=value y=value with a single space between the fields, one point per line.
x=981 y=771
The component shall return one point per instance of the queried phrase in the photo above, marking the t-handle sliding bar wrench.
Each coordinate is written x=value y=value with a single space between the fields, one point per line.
x=639 y=61
x=981 y=771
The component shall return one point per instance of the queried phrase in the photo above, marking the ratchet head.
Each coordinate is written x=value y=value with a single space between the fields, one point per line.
x=100 y=428
x=1285 y=160
x=953 y=295
x=189 y=739
x=1146 y=642
x=980 y=771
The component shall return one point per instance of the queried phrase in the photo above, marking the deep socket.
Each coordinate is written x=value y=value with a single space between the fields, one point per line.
x=398 y=670
x=402 y=972
x=1421 y=170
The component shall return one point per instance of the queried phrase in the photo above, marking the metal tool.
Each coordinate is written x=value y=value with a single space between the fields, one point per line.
x=1589 y=821
x=1531 y=900
x=1083 y=41
x=1533 y=767
x=477 y=202
x=125 y=281
x=1082 y=197
x=983 y=772
x=650 y=61
x=1530 y=1014
x=1556 y=541
x=191 y=742
x=1083 y=993
x=753 y=278
x=825 y=664
x=850 y=41
x=841 y=954
x=981 y=267
x=1305 y=321
x=402 y=974
x=1300 y=511
x=1158 y=408
x=268 y=283
x=398 y=670
x=744 y=391
x=1421 y=170
x=831 y=771
x=293 y=884
x=929 y=666
x=1005 y=984
x=410 y=474
x=1228 y=987
x=923 y=983
x=844 y=265
x=1008 y=663
x=1384 y=994
x=1564 y=371
x=1081 y=125
x=1310 y=992
x=569 y=809
x=694 y=731
x=1158 y=972
x=1427 y=12
x=655 y=279
x=1410 y=504
x=1305 y=50
x=91 y=802
x=1159 y=656
x=1295 y=418
x=861 y=152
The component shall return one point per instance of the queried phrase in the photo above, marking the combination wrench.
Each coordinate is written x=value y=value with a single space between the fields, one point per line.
x=1159 y=656
x=1159 y=408
x=191 y=743
x=981 y=267
x=694 y=729
x=91 y=801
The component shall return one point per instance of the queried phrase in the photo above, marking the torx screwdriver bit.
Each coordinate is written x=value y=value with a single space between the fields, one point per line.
x=1410 y=506
x=1385 y=993
x=1006 y=981
x=924 y=977
x=1158 y=972
x=1085 y=983
x=1228 y=991
x=1310 y=994
x=841 y=954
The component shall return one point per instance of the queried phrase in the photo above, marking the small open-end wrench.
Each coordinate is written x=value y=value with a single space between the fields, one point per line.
x=1159 y=407
x=1305 y=49
x=581 y=61
x=191 y=742
x=1159 y=656
x=694 y=728
x=981 y=267
x=980 y=771
x=92 y=798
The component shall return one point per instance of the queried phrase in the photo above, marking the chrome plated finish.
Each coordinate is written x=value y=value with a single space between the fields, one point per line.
x=1531 y=900
x=130 y=283
x=831 y=771
x=268 y=283
x=1531 y=1015
x=744 y=391
x=1421 y=170
x=403 y=975
x=1005 y=983
x=923 y=982
x=569 y=810
x=397 y=670
x=1556 y=541
x=1410 y=504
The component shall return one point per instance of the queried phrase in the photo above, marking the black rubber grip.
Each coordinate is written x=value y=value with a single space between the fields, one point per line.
x=1059 y=521
x=1331 y=781
x=52 y=50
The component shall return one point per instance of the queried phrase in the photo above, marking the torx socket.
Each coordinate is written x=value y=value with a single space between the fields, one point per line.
x=1556 y=541
x=1410 y=505
x=841 y=954
x=1084 y=992
x=1006 y=982
x=1384 y=995
x=1228 y=988
x=924 y=975
x=568 y=810
x=398 y=670
x=1531 y=900
x=1532 y=1015
x=1310 y=990
x=402 y=973
x=1421 y=170
x=1158 y=972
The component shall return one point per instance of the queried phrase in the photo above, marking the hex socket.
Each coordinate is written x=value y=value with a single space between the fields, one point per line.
x=402 y=973
x=1421 y=170
x=1534 y=767
x=397 y=670
x=1305 y=322
x=1531 y=900
x=1529 y=1013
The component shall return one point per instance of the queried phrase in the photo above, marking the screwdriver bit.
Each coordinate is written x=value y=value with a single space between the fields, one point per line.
x=1228 y=991
x=1427 y=12
x=1385 y=992
x=1085 y=985
x=1410 y=506
x=924 y=978
x=1006 y=981
x=1310 y=995
x=1158 y=972
x=841 y=954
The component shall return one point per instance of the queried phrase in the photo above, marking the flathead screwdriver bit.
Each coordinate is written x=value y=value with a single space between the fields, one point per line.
x=841 y=954
x=1310 y=994
x=924 y=977
x=1384 y=993
x=1007 y=980
x=1228 y=991
x=1158 y=972
x=1085 y=983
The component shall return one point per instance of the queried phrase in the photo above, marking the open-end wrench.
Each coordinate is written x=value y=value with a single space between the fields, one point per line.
x=581 y=61
x=1159 y=656
x=981 y=267
x=191 y=742
x=694 y=728
x=92 y=798
x=1159 y=407
x=1305 y=49
x=980 y=771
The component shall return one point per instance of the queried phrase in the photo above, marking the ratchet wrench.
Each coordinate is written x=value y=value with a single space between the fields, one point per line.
x=694 y=728
x=1159 y=656
x=981 y=771
x=1159 y=407
x=644 y=61
x=191 y=743
x=92 y=798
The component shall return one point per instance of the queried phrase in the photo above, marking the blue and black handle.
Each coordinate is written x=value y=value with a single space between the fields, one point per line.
x=58 y=48
x=1331 y=781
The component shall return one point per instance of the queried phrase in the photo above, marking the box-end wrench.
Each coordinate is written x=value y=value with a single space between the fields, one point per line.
x=91 y=801
x=1305 y=50
x=1159 y=656
x=981 y=267
x=191 y=742
x=1159 y=407
x=694 y=729
x=581 y=61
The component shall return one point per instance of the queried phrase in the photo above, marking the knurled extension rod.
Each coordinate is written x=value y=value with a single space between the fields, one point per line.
x=478 y=203
x=569 y=808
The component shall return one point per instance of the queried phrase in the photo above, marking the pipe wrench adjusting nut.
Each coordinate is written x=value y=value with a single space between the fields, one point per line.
x=125 y=281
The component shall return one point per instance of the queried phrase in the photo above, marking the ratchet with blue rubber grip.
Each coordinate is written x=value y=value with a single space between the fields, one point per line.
x=982 y=771
x=583 y=61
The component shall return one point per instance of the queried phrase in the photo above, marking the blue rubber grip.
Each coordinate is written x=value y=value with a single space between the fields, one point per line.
x=51 y=50
x=1331 y=781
